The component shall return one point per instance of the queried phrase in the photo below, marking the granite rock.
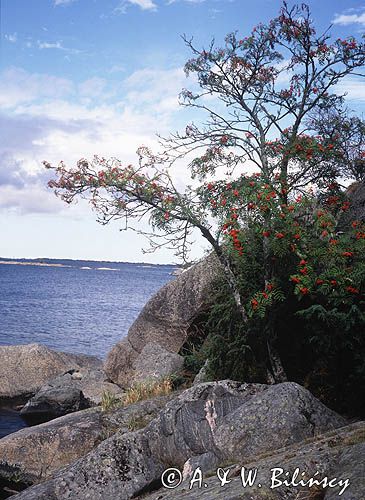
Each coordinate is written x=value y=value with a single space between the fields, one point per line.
x=188 y=432
x=25 y=368
x=165 y=319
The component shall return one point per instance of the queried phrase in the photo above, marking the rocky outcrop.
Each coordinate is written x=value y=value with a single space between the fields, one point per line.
x=337 y=455
x=118 y=468
x=36 y=452
x=25 y=368
x=52 y=403
x=209 y=424
x=164 y=320
x=33 y=454
x=92 y=383
x=155 y=363
x=73 y=391
x=356 y=196
x=229 y=419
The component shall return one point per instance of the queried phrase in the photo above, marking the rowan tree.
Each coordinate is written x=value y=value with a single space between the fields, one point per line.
x=272 y=107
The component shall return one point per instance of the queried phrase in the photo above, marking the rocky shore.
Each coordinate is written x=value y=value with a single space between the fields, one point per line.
x=100 y=434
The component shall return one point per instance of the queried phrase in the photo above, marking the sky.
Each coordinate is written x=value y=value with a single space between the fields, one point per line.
x=85 y=77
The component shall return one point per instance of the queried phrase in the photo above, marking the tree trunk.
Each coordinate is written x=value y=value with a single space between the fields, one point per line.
x=229 y=274
x=276 y=366
x=276 y=373
x=277 y=369
x=231 y=278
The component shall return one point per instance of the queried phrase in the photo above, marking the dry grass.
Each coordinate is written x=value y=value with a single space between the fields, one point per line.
x=109 y=401
x=147 y=390
x=137 y=423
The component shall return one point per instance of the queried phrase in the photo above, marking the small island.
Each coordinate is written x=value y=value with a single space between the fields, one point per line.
x=32 y=263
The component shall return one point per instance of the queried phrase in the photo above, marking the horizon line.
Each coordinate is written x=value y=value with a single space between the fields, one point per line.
x=37 y=259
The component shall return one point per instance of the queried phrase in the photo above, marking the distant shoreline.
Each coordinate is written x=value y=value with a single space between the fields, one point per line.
x=85 y=264
x=70 y=263
x=26 y=263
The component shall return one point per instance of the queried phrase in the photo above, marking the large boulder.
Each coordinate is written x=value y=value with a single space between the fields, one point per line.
x=92 y=383
x=34 y=453
x=156 y=363
x=73 y=391
x=165 y=319
x=25 y=368
x=210 y=424
x=52 y=403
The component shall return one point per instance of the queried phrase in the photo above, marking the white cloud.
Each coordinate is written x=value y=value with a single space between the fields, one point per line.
x=188 y=1
x=155 y=90
x=117 y=68
x=143 y=4
x=214 y=13
x=63 y=2
x=57 y=46
x=50 y=45
x=18 y=86
x=34 y=199
x=12 y=38
x=93 y=87
x=353 y=87
x=347 y=19
x=55 y=119
x=31 y=200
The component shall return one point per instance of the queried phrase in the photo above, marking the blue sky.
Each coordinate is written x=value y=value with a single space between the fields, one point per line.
x=84 y=77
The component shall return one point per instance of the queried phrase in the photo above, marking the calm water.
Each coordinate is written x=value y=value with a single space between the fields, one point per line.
x=74 y=309
x=10 y=421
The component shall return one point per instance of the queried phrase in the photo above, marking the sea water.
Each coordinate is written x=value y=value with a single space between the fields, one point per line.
x=84 y=308
x=80 y=307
